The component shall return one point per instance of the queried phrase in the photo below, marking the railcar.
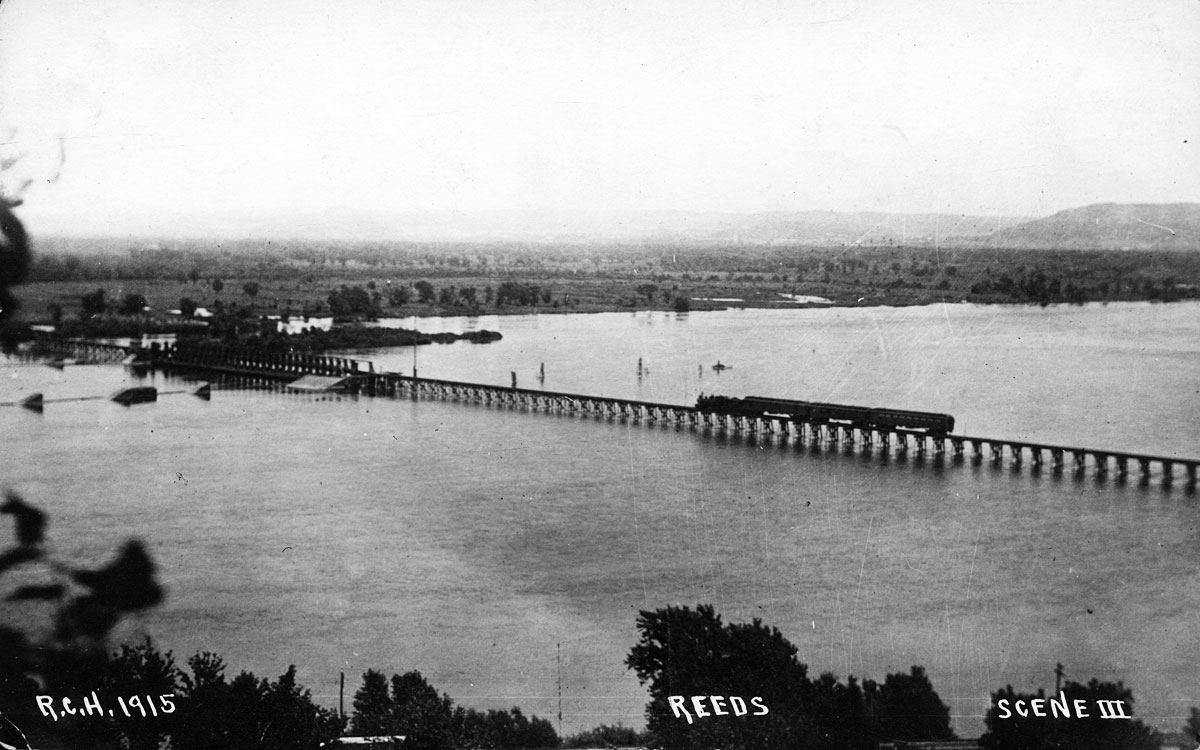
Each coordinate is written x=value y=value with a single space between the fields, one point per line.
x=862 y=417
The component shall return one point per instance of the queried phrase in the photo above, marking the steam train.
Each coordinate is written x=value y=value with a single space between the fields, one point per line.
x=862 y=417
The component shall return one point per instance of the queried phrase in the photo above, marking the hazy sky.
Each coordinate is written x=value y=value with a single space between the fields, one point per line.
x=968 y=107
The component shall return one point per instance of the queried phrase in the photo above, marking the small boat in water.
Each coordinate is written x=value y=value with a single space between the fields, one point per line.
x=720 y=367
x=32 y=402
x=138 y=395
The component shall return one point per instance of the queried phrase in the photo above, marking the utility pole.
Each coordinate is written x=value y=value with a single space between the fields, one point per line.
x=1058 y=675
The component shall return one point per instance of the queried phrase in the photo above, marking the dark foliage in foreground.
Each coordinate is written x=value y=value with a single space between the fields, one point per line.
x=409 y=706
x=67 y=613
x=1007 y=730
x=69 y=658
x=685 y=652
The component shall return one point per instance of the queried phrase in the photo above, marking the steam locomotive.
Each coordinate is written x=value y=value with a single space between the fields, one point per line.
x=862 y=417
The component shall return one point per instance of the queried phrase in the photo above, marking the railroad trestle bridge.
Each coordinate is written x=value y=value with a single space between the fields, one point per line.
x=246 y=365
x=898 y=442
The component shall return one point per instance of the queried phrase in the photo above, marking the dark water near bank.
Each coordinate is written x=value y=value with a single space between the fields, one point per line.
x=342 y=534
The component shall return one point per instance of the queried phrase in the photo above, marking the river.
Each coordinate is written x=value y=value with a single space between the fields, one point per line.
x=480 y=546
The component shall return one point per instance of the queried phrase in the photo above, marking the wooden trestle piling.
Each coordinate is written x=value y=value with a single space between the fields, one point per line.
x=885 y=442
x=242 y=363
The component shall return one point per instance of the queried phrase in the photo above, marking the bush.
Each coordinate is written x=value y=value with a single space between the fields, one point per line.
x=354 y=300
x=132 y=304
x=93 y=303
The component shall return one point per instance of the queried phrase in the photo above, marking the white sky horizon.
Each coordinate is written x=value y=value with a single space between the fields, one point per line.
x=981 y=108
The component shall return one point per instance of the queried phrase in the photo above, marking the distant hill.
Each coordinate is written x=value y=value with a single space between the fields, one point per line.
x=1104 y=226
x=1108 y=226
x=824 y=228
x=828 y=228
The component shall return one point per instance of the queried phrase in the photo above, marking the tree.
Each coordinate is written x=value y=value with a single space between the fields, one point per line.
x=352 y=300
x=516 y=293
x=422 y=716
x=132 y=304
x=648 y=291
x=142 y=671
x=208 y=695
x=425 y=291
x=187 y=307
x=1008 y=730
x=374 y=712
x=398 y=296
x=93 y=303
x=1191 y=729
x=906 y=707
x=217 y=285
x=251 y=289
x=501 y=729
x=293 y=720
x=838 y=716
x=247 y=711
x=685 y=652
x=412 y=709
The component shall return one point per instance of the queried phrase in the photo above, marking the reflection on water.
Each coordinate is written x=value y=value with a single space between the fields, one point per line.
x=343 y=534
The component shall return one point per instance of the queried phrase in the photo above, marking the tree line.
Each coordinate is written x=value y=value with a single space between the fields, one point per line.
x=409 y=706
x=693 y=663
x=691 y=652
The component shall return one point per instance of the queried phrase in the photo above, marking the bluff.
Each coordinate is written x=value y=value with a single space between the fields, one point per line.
x=1107 y=226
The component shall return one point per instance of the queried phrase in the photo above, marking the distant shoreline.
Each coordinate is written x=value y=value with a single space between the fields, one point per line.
x=237 y=289
x=363 y=332
x=752 y=305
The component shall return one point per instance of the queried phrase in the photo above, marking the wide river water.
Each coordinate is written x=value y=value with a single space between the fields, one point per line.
x=496 y=550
